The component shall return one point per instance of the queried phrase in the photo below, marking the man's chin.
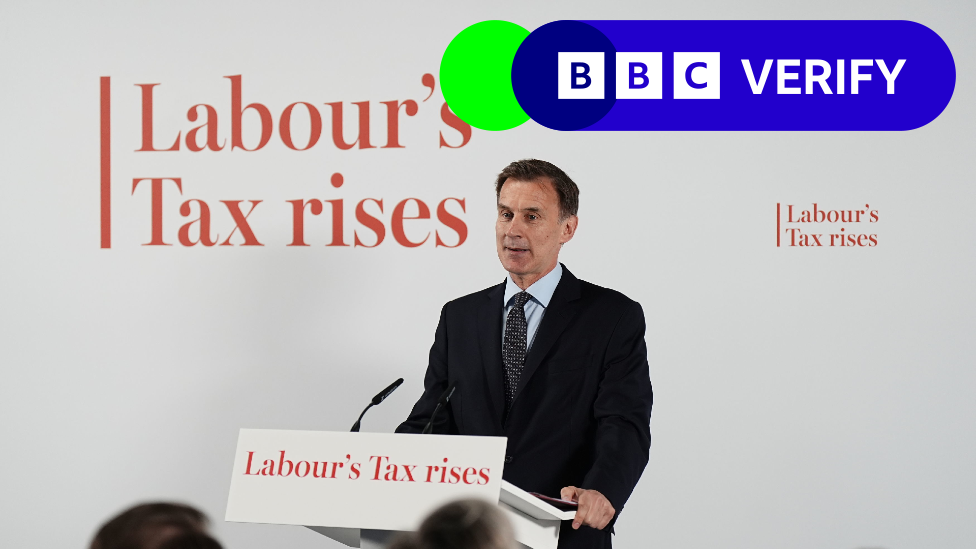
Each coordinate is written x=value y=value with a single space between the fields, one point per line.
x=518 y=268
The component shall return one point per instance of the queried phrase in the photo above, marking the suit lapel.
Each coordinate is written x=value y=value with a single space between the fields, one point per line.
x=490 y=342
x=561 y=310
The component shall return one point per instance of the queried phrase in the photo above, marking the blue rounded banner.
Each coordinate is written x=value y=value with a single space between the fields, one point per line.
x=733 y=75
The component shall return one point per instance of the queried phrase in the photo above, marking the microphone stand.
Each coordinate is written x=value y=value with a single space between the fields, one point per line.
x=441 y=402
x=355 y=427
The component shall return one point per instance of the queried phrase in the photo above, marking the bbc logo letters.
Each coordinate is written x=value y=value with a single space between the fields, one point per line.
x=639 y=75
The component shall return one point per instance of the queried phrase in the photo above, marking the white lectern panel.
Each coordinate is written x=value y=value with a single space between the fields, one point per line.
x=358 y=480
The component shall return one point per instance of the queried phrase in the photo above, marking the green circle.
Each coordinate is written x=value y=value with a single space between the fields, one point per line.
x=476 y=75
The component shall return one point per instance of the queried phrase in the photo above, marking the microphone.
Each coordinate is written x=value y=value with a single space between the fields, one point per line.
x=380 y=397
x=441 y=402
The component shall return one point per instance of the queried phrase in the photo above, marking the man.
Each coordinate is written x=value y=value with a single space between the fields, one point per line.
x=557 y=365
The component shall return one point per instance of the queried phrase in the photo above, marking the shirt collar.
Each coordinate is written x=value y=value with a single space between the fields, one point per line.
x=541 y=290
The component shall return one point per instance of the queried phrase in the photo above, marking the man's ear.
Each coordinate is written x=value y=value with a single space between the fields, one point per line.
x=569 y=229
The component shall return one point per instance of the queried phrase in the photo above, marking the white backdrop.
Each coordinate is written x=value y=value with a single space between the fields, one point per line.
x=805 y=398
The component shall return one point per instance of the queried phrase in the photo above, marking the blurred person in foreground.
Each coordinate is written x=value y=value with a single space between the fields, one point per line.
x=463 y=524
x=156 y=526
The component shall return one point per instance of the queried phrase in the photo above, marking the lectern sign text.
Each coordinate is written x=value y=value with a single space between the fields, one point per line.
x=358 y=480
x=384 y=470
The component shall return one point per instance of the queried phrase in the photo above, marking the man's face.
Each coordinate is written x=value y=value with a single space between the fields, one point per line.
x=528 y=230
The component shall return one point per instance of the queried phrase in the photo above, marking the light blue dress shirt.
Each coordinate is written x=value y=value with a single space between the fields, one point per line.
x=541 y=292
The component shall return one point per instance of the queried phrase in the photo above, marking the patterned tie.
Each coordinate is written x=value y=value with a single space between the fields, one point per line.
x=513 y=348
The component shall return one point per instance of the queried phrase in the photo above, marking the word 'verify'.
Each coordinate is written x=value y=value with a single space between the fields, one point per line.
x=639 y=75
x=383 y=470
x=198 y=230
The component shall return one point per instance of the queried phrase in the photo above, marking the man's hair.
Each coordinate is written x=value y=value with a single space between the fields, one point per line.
x=531 y=169
x=463 y=524
x=149 y=525
x=191 y=540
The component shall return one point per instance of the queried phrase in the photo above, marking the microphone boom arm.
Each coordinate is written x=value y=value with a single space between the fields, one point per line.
x=380 y=397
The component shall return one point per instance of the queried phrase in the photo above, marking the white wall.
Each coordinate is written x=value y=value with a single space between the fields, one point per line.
x=804 y=398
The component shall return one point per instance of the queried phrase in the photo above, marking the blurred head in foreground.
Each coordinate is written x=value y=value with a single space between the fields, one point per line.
x=463 y=524
x=156 y=526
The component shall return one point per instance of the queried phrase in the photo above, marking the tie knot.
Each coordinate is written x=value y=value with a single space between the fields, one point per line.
x=522 y=298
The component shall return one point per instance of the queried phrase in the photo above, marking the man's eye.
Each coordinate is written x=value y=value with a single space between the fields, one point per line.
x=507 y=215
x=532 y=217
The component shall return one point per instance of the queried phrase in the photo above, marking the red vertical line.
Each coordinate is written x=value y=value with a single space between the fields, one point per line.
x=106 y=161
x=777 y=225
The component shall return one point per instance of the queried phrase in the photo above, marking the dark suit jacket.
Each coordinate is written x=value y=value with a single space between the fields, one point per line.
x=581 y=414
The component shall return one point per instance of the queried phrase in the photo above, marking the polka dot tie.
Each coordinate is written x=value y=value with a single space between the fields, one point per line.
x=513 y=347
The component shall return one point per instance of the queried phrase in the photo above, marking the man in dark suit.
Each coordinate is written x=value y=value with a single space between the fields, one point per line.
x=556 y=364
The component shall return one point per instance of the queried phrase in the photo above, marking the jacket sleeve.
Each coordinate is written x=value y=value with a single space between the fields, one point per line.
x=435 y=382
x=623 y=412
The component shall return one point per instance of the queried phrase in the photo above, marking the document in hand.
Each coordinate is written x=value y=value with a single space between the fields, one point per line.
x=561 y=504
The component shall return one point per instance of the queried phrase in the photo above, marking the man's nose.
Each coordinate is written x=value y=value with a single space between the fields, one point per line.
x=515 y=227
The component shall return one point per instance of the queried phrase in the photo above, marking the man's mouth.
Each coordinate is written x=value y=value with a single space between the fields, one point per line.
x=511 y=249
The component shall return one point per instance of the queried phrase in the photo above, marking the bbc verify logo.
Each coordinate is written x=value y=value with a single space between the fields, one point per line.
x=777 y=75
x=639 y=75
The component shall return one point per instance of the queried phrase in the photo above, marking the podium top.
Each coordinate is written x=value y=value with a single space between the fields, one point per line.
x=519 y=499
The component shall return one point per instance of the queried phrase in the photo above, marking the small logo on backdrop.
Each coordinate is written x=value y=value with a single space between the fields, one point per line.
x=816 y=226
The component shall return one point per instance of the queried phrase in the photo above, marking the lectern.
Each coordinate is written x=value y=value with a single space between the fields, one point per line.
x=360 y=489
